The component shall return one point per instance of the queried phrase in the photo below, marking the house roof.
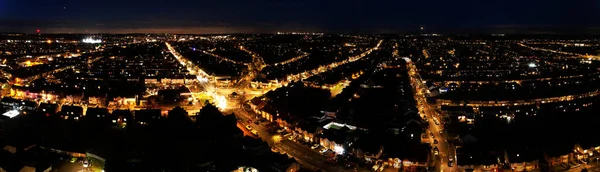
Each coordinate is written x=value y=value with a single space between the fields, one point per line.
x=96 y=111
x=474 y=155
x=69 y=108
x=404 y=150
x=309 y=125
x=125 y=113
x=8 y=100
x=337 y=136
x=525 y=154
x=147 y=113
x=368 y=143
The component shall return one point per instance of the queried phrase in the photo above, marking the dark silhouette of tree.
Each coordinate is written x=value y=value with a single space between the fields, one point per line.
x=220 y=135
x=178 y=118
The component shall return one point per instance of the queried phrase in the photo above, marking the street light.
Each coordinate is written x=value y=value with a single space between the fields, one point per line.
x=277 y=138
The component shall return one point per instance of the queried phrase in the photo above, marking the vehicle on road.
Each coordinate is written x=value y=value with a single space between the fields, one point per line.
x=315 y=146
x=86 y=163
x=436 y=151
x=441 y=132
x=322 y=151
x=435 y=141
x=248 y=127
x=73 y=160
x=450 y=161
x=254 y=132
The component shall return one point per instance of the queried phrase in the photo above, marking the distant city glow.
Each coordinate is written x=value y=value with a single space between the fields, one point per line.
x=92 y=41
x=11 y=113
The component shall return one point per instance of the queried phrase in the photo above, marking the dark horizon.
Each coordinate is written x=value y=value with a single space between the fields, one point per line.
x=182 y=16
x=508 y=30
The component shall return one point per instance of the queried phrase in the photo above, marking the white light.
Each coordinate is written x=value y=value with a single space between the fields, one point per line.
x=338 y=149
x=92 y=41
x=532 y=65
x=11 y=113
x=202 y=80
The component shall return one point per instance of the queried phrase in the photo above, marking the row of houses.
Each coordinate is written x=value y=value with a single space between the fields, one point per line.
x=74 y=112
x=475 y=158
x=396 y=147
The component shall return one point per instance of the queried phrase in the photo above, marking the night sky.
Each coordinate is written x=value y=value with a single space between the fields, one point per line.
x=266 y=16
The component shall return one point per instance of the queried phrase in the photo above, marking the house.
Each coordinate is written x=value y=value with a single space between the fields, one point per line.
x=367 y=147
x=28 y=105
x=559 y=154
x=100 y=115
x=48 y=108
x=335 y=137
x=468 y=138
x=255 y=146
x=147 y=116
x=9 y=102
x=307 y=129
x=24 y=158
x=121 y=117
x=402 y=153
x=282 y=163
x=523 y=159
x=71 y=112
x=474 y=157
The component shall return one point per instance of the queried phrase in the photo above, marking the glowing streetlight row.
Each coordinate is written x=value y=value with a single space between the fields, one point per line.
x=325 y=68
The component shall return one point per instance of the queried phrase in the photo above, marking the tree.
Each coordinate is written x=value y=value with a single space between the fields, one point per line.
x=178 y=118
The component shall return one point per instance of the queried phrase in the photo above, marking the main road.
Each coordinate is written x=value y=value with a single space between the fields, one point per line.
x=445 y=150
x=303 y=154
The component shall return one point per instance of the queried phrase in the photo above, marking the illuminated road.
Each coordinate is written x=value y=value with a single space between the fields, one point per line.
x=223 y=58
x=291 y=60
x=325 y=68
x=446 y=150
x=561 y=52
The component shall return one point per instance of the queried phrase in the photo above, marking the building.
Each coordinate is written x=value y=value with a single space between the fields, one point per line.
x=48 y=108
x=478 y=159
x=71 y=112
x=147 y=116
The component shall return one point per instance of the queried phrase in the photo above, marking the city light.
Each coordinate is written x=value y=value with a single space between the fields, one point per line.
x=338 y=149
x=92 y=41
